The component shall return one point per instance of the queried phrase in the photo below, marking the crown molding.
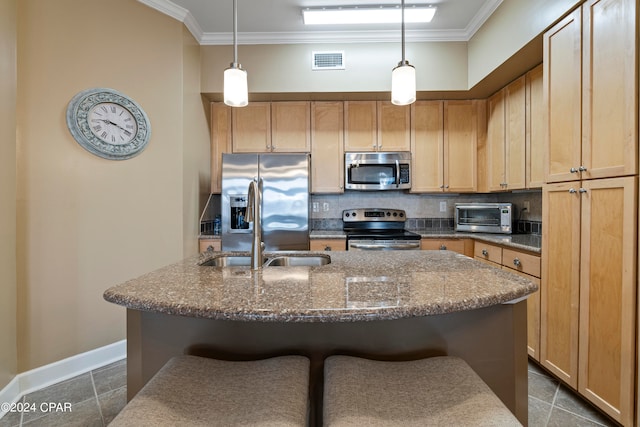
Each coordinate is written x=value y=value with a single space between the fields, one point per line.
x=317 y=37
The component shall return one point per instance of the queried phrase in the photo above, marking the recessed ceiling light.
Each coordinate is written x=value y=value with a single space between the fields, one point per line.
x=388 y=14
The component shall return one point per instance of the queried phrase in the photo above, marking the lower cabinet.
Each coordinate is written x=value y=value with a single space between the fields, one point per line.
x=588 y=299
x=328 y=245
x=462 y=246
x=527 y=265
x=210 y=245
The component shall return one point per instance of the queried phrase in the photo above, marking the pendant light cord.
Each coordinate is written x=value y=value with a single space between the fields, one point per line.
x=235 y=31
x=402 y=11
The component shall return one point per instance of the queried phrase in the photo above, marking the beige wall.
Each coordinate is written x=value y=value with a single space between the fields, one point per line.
x=86 y=223
x=8 y=347
x=512 y=26
x=287 y=68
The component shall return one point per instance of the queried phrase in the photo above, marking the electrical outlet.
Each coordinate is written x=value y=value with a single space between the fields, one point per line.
x=315 y=207
x=325 y=207
x=526 y=206
x=443 y=206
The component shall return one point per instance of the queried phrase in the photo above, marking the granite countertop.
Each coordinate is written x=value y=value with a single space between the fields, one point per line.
x=355 y=286
x=526 y=242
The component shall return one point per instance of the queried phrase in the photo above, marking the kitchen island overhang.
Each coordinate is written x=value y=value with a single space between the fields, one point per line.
x=387 y=306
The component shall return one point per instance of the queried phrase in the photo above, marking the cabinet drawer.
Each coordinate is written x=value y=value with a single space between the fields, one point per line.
x=522 y=262
x=487 y=252
x=214 y=244
x=328 y=245
x=443 y=245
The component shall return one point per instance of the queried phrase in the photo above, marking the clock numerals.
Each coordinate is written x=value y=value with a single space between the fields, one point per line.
x=112 y=123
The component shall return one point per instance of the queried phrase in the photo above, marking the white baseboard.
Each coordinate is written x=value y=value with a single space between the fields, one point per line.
x=44 y=376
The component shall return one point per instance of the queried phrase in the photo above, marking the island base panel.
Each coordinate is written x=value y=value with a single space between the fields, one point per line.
x=491 y=340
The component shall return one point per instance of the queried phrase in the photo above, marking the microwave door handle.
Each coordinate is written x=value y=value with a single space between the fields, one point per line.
x=397 y=173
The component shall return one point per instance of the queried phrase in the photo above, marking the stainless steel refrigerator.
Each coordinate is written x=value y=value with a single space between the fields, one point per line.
x=285 y=200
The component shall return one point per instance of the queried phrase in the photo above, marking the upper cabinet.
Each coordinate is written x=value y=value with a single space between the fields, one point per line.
x=506 y=135
x=460 y=146
x=535 y=126
x=283 y=127
x=427 y=146
x=590 y=90
x=327 y=155
x=376 y=126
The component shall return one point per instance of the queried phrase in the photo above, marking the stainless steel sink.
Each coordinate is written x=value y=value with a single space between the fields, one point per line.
x=273 y=261
x=227 y=261
x=298 y=260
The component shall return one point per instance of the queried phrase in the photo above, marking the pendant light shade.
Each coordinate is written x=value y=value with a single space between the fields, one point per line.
x=236 y=91
x=403 y=78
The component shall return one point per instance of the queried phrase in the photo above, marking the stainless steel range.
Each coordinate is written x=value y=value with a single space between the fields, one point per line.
x=378 y=229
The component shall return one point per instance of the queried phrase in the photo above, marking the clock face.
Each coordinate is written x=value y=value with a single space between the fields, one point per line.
x=108 y=123
x=112 y=123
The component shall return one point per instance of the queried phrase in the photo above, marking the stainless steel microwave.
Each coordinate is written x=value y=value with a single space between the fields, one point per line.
x=484 y=217
x=377 y=171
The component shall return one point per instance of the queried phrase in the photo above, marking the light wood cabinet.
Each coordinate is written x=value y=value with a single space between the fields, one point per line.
x=327 y=155
x=210 y=245
x=220 y=142
x=427 y=146
x=328 y=245
x=506 y=134
x=461 y=246
x=376 y=126
x=590 y=90
x=252 y=128
x=535 y=129
x=460 y=146
x=291 y=127
x=487 y=252
x=588 y=299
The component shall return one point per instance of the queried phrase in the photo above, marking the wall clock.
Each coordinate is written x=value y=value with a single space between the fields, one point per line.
x=108 y=123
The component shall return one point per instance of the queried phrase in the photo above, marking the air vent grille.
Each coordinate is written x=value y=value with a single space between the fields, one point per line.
x=327 y=61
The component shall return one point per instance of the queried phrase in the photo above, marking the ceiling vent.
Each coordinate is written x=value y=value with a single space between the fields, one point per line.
x=327 y=60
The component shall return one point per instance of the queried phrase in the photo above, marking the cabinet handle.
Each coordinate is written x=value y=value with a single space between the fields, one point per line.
x=442 y=186
x=443 y=247
x=517 y=262
x=210 y=248
x=583 y=190
x=573 y=170
x=327 y=248
x=446 y=186
x=485 y=252
x=582 y=169
x=572 y=190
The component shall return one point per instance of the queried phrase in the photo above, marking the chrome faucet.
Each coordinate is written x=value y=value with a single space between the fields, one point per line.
x=254 y=214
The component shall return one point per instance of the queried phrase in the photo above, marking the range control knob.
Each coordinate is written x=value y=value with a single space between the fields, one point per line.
x=401 y=214
x=388 y=213
x=395 y=214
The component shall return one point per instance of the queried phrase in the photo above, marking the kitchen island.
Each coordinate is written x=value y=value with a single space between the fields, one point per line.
x=396 y=305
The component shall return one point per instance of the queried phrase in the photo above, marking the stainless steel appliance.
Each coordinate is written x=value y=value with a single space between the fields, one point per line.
x=378 y=229
x=285 y=200
x=377 y=171
x=484 y=217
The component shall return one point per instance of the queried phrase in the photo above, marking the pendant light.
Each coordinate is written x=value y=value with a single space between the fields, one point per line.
x=235 y=78
x=403 y=78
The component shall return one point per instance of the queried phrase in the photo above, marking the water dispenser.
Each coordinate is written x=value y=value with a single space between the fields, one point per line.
x=238 y=214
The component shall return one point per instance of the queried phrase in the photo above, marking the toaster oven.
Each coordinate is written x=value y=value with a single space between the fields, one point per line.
x=484 y=217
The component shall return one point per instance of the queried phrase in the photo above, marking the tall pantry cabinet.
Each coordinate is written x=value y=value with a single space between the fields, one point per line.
x=589 y=253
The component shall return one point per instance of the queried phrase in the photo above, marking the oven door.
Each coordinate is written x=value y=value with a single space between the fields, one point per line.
x=382 y=245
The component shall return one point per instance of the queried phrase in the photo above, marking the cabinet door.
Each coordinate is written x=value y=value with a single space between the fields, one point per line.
x=394 y=126
x=328 y=245
x=252 y=128
x=563 y=98
x=515 y=132
x=608 y=295
x=535 y=129
x=327 y=155
x=460 y=146
x=533 y=317
x=496 y=141
x=559 y=297
x=609 y=121
x=360 y=126
x=291 y=127
x=220 y=141
x=427 y=146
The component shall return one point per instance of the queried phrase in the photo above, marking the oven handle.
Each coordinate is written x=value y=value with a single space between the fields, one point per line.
x=396 y=246
x=397 y=173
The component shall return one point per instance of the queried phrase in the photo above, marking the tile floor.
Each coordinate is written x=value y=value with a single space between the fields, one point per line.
x=97 y=397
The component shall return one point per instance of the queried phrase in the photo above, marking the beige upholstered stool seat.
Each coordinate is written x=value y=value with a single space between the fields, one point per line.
x=196 y=391
x=439 y=391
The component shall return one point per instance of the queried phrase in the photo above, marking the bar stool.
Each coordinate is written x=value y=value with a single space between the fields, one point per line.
x=438 y=391
x=197 y=391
